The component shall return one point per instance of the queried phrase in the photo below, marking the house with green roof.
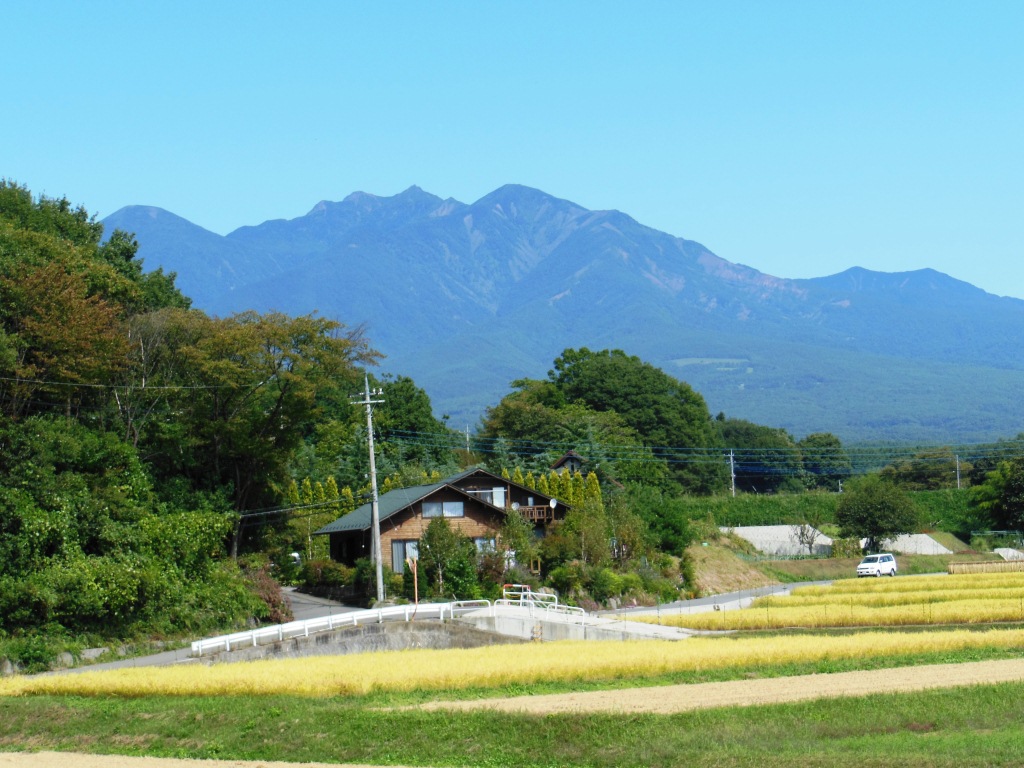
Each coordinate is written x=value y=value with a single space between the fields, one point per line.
x=473 y=502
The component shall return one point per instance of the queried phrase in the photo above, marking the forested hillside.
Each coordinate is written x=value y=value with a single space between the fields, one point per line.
x=141 y=440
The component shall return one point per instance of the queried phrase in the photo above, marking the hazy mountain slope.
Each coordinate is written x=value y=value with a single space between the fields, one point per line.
x=466 y=297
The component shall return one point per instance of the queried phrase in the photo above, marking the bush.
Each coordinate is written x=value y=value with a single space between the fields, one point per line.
x=326 y=575
x=568 y=579
x=33 y=653
x=631 y=584
x=605 y=584
x=266 y=588
x=842 y=548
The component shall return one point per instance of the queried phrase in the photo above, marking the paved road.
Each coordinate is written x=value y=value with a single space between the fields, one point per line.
x=303 y=607
x=309 y=607
x=725 y=602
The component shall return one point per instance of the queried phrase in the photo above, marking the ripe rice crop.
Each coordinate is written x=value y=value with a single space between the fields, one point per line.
x=499 y=666
x=971 y=599
x=878 y=599
x=840 y=614
x=919 y=584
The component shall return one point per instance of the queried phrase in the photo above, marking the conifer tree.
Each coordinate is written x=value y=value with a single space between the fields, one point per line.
x=517 y=477
x=348 y=500
x=592 y=489
x=555 y=485
x=542 y=484
x=575 y=488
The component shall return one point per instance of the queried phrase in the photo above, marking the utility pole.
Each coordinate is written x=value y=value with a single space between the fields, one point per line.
x=732 y=472
x=374 y=509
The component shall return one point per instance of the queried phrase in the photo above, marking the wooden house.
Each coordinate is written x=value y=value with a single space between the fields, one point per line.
x=474 y=502
x=570 y=462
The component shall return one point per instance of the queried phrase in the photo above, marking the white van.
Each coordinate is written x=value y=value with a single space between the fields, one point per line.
x=877 y=565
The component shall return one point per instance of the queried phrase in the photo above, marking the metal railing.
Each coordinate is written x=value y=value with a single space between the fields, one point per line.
x=281 y=632
x=523 y=596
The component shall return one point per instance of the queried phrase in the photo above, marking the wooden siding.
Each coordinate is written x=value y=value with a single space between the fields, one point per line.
x=478 y=521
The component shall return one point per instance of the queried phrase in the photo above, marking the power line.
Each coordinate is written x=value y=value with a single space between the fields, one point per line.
x=140 y=388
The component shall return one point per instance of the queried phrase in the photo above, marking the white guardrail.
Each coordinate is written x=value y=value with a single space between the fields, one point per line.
x=513 y=595
x=522 y=596
x=280 y=632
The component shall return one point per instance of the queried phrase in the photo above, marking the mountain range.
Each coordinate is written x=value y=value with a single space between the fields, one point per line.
x=465 y=298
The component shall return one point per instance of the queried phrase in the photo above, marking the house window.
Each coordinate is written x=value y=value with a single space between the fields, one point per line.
x=484 y=544
x=402 y=549
x=442 y=509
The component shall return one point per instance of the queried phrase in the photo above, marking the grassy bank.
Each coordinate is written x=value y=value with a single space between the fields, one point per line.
x=961 y=727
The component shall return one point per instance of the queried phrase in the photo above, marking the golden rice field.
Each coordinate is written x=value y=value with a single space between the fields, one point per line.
x=905 y=601
x=501 y=666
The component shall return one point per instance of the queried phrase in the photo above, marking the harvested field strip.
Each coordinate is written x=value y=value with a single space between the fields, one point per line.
x=684 y=698
x=502 y=666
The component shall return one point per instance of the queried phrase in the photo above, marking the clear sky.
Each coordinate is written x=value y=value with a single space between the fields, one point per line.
x=799 y=138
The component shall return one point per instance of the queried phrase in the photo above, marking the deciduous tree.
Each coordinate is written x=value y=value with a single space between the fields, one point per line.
x=874 y=509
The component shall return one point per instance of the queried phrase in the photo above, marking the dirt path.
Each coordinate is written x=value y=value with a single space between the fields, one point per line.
x=660 y=700
x=682 y=698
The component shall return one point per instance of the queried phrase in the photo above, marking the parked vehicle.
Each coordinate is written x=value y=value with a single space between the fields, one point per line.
x=877 y=565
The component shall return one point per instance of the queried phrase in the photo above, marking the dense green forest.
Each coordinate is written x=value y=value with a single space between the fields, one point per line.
x=158 y=466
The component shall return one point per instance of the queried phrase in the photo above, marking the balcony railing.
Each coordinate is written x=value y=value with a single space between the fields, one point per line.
x=538 y=514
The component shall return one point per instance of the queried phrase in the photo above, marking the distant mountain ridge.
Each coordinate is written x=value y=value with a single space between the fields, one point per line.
x=467 y=297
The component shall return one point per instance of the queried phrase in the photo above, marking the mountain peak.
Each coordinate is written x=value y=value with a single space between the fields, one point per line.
x=498 y=288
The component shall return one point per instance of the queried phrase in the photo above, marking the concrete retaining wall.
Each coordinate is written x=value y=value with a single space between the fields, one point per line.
x=388 y=636
x=537 y=629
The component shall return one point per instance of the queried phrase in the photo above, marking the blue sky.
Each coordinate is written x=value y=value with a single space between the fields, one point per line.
x=799 y=138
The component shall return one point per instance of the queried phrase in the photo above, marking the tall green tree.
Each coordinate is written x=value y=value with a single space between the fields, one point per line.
x=874 y=509
x=927 y=470
x=447 y=561
x=766 y=459
x=826 y=464
x=1001 y=497
x=251 y=394
x=667 y=414
x=534 y=425
x=410 y=433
